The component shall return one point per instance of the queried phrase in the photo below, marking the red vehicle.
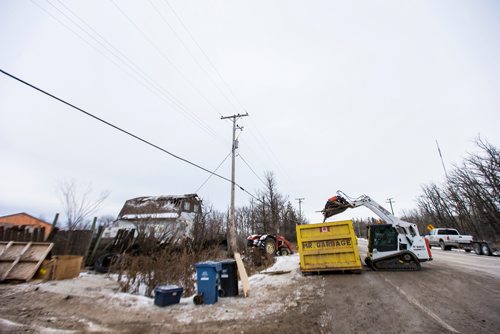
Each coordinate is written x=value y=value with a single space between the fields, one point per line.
x=274 y=244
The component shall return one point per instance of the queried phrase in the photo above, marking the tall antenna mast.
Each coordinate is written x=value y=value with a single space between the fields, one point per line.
x=442 y=161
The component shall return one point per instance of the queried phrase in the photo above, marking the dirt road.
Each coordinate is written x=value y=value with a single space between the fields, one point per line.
x=455 y=293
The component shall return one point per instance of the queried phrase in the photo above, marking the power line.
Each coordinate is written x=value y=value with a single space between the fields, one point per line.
x=209 y=61
x=125 y=131
x=139 y=75
x=121 y=55
x=160 y=52
x=132 y=68
x=189 y=52
x=262 y=141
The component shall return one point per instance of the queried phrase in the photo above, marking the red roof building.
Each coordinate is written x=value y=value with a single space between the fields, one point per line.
x=24 y=219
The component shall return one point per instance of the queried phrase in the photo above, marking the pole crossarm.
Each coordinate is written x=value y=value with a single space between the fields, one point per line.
x=234 y=116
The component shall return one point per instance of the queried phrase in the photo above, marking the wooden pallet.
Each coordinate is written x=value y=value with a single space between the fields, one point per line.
x=19 y=261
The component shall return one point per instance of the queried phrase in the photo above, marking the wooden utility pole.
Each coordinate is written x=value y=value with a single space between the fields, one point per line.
x=390 y=201
x=231 y=233
x=300 y=208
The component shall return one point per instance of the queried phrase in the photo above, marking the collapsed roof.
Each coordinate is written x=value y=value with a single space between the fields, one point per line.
x=165 y=206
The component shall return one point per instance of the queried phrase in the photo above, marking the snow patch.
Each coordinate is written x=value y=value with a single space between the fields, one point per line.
x=48 y=330
x=7 y=323
x=86 y=285
x=163 y=215
x=93 y=327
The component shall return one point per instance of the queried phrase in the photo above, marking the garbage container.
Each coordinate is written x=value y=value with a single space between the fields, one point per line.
x=168 y=295
x=207 y=274
x=228 y=278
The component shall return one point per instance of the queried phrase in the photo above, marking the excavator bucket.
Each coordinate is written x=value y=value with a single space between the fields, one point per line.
x=334 y=206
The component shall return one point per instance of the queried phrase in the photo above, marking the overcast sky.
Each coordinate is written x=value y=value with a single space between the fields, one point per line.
x=348 y=95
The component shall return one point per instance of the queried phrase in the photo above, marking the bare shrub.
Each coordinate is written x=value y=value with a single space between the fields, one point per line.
x=173 y=264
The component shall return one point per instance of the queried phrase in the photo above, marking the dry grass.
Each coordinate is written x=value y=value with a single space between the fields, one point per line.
x=173 y=264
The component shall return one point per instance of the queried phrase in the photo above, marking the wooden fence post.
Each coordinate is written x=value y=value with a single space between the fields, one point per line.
x=90 y=257
x=93 y=224
x=54 y=222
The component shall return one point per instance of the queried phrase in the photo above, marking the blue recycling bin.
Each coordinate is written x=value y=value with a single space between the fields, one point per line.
x=168 y=295
x=208 y=278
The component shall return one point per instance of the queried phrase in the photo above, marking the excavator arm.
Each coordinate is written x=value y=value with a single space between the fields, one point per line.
x=341 y=202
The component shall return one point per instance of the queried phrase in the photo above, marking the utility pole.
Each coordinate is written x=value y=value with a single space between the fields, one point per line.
x=300 y=208
x=390 y=201
x=231 y=233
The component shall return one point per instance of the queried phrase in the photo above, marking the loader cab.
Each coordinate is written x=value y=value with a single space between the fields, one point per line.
x=382 y=237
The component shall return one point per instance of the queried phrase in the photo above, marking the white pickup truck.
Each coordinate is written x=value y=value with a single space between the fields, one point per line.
x=448 y=238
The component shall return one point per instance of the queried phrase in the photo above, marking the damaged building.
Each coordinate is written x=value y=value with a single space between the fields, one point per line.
x=172 y=214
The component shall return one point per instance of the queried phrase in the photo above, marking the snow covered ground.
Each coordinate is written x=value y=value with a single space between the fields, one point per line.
x=264 y=297
x=290 y=301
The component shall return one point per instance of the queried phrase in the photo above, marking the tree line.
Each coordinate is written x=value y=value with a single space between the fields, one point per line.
x=469 y=199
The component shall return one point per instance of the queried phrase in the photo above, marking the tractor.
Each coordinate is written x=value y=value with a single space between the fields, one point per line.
x=273 y=244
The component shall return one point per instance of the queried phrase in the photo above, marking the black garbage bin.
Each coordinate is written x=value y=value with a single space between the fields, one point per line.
x=228 y=278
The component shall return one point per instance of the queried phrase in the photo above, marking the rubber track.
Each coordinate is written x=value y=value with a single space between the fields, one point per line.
x=394 y=264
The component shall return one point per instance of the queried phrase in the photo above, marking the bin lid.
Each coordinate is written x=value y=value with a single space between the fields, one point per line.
x=227 y=261
x=164 y=288
x=209 y=264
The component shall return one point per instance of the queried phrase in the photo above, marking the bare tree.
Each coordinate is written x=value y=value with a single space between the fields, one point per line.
x=210 y=226
x=78 y=204
x=271 y=213
x=469 y=200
